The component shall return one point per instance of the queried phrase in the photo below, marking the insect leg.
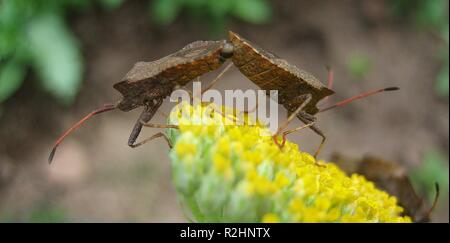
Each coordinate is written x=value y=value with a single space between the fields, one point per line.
x=305 y=118
x=145 y=116
x=157 y=135
x=294 y=130
x=210 y=85
x=159 y=125
x=320 y=133
x=307 y=98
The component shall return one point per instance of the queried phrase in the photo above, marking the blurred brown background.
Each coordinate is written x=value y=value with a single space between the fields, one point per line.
x=97 y=177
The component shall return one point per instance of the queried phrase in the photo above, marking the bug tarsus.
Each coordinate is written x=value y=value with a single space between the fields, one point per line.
x=157 y=135
x=306 y=99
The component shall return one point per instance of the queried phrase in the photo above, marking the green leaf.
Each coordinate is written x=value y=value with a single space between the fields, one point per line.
x=217 y=27
x=47 y=214
x=55 y=56
x=444 y=34
x=219 y=9
x=11 y=77
x=195 y=4
x=433 y=170
x=164 y=12
x=431 y=13
x=359 y=65
x=12 y=16
x=442 y=85
x=111 y=4
x=253 y=11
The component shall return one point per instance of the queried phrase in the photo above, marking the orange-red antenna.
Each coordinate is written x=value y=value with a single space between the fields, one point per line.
x=330 y=77
x=105 y=108
x=330 y=81
x=360 y=96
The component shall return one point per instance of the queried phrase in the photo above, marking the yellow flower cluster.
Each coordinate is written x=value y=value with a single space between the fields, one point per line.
x=231 y=173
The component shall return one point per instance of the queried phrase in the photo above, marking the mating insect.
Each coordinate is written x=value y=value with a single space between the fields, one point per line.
x=148 y=83
x=298 y=91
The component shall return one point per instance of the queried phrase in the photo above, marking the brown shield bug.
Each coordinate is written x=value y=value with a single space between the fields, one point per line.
x=148 y=83
x=298 y=91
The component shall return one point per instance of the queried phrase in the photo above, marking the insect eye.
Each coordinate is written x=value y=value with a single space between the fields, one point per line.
x=227 y=50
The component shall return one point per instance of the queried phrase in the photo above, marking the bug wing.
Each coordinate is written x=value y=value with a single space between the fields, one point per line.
x=270 y=72
x=148 y=80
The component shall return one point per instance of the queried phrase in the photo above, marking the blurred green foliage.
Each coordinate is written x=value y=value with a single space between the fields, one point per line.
x=43 y=212
x=359 y=65
x=47 y=214
x=34 y=33
x=432 y=170
x=431 y=15
x=216 y=13
x=442 y=88
x=111 y=4
x=55 y=56
x=428 y=13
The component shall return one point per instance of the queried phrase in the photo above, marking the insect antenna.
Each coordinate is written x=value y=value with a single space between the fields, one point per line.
x=105 y=108
x=330 y=81
x=436 y=198
x=357 y=97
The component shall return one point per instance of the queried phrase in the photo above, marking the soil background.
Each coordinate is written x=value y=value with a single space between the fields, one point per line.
x=97 y=177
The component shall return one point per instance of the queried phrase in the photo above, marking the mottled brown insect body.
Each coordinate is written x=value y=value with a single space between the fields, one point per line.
x=270 y=72
x=148 y=81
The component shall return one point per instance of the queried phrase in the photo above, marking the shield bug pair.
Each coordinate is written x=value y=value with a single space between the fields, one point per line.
x=148 y=83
